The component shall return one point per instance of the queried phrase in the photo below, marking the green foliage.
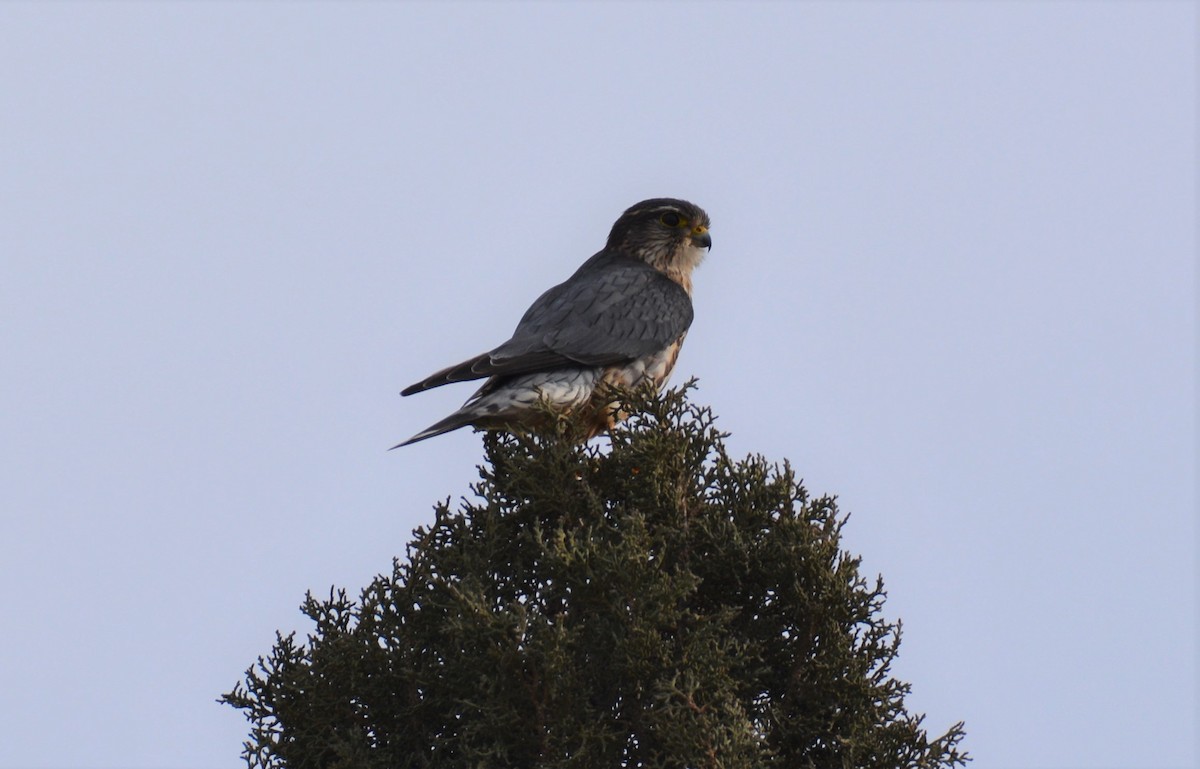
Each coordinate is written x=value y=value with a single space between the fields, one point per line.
x=655 y=604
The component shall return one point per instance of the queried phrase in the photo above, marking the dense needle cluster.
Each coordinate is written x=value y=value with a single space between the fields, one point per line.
x=646 y=603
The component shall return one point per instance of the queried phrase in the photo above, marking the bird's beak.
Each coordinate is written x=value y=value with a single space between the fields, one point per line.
x=700 y=237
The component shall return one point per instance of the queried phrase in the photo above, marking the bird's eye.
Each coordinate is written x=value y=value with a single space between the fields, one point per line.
x=671 y=219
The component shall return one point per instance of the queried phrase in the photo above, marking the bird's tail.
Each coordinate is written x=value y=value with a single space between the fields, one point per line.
x=460 y=418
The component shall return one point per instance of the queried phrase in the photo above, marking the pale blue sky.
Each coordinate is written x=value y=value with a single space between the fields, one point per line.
x=953 y=281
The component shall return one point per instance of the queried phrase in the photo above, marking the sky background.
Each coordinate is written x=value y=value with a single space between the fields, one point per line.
x=953 y=280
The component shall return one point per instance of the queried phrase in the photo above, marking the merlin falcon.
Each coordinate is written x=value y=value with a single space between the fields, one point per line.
x=619 y=321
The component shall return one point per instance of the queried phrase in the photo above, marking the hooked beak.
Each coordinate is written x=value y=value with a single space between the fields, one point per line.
x=701 y=238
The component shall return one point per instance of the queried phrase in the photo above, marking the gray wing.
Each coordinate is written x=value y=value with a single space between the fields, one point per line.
x=613 y=309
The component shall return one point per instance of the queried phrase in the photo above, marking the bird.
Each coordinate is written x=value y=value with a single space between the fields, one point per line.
x=618 y=321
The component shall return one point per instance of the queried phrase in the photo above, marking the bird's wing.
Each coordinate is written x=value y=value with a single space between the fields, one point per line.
x=619 y=310
x=613 y=309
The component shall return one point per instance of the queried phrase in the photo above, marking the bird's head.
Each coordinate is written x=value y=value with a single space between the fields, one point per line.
x=671 y=235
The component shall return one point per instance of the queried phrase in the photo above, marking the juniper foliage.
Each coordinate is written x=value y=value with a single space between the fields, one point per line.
x=653 y=604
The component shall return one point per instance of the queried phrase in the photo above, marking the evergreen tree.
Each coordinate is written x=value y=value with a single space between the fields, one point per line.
x=650 y=604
